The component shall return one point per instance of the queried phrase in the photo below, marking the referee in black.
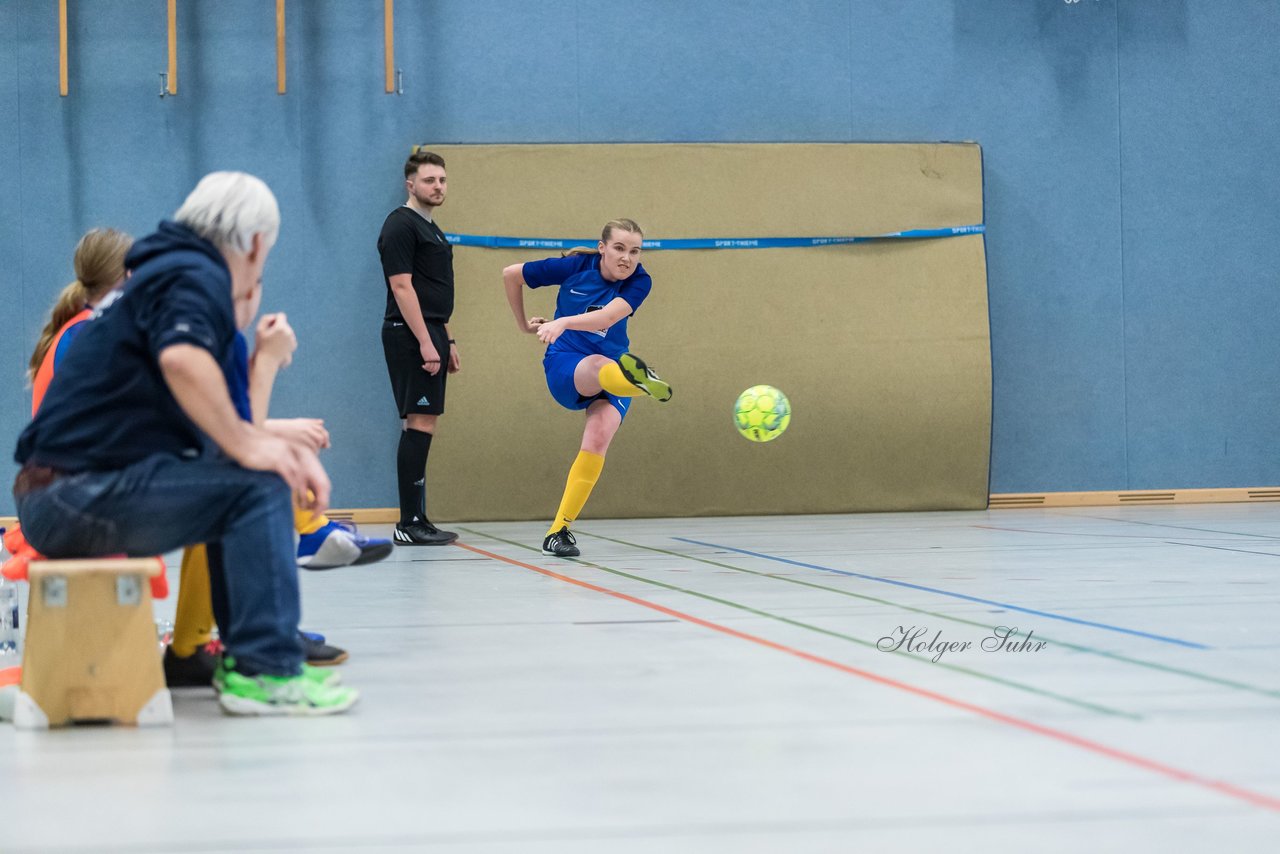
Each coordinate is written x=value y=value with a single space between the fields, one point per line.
x=417 y=263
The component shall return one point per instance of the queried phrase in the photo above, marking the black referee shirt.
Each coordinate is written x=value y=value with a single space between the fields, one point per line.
x=411 y=243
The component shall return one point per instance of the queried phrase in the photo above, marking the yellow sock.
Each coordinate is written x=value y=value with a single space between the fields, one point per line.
x=193 y=622
x=583 y=475
x=305 y=522
x=614 y=381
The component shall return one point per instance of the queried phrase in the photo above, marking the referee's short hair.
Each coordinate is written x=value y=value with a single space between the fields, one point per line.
x=419 y=156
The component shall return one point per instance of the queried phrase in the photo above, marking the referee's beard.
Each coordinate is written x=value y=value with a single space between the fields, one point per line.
x=430 y=201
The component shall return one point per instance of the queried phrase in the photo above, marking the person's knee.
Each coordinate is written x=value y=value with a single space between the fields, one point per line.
x=421 y=423
x=597 y=435
x=595 y=444
x=267 y=487
x=590 y=365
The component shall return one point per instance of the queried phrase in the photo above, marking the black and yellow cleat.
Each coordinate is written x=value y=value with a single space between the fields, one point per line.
x=642 y=377
x=560 y=544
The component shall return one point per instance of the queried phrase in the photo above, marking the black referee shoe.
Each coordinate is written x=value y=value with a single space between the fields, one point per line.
x=560 y=544
x=420 y=532
x=642 y=377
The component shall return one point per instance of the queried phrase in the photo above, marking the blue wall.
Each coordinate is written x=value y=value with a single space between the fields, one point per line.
x=1132 y=185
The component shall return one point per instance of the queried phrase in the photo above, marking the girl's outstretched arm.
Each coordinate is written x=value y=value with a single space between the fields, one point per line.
x=513 y=282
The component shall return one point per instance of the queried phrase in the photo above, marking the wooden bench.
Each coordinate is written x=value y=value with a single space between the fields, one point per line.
x=91 y=652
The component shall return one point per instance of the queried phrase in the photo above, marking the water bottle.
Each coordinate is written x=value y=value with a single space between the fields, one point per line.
x=10 y=630
x=164 y=634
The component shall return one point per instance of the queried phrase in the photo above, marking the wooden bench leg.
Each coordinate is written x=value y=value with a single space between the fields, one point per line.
x=90 y=652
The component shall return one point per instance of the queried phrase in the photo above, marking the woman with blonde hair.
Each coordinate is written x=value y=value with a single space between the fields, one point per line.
x=99 y=268
x=587 y=362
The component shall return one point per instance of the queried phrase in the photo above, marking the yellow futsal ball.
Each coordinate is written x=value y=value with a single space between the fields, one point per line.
x=762 y=413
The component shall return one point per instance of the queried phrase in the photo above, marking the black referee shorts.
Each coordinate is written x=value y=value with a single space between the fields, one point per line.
x=416 y=391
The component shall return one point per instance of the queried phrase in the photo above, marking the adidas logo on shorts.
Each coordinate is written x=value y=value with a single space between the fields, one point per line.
x=423 y=401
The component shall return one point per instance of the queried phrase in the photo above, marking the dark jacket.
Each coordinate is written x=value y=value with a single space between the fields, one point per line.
x=108 y=405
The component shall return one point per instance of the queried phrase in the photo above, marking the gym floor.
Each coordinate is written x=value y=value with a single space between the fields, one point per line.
x=771 y=684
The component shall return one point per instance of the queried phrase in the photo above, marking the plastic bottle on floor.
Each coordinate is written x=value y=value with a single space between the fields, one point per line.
x=10 y=628
x=164 y=634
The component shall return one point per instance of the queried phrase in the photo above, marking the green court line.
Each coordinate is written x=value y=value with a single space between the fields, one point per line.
x=1019 y=686
x=1151 y=665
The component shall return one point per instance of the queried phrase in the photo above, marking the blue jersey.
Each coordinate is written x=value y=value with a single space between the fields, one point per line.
x=236 y=371
x=583 y=289
x=64 y=343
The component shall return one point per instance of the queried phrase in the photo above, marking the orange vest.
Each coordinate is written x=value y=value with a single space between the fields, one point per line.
x=44 y=374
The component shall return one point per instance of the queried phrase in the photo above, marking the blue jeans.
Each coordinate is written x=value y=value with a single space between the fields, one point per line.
x=162 y=503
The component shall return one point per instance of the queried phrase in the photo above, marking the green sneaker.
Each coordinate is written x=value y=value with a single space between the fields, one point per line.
x=318 y=675
x=642 y=377
x=283 y=695
x=321 y=676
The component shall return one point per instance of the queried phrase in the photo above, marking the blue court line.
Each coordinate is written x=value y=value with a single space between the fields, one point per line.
x=952 y=594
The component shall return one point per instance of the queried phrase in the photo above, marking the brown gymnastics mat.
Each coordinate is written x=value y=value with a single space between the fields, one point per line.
x=882 y=347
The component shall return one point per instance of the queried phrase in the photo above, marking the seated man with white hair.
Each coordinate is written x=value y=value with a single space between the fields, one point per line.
x=139 y=447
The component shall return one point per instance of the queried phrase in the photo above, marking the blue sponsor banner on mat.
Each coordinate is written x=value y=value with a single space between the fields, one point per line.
x=495 y=242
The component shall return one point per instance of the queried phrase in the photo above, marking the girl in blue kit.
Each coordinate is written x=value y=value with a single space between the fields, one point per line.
x=587 y=363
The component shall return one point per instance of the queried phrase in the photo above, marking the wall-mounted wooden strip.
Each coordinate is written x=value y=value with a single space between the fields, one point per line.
x=172 y=78
x=1102 y=499
x=386 y=515
x=62 y=47
x=389 y=41
x=1016 y=501
x=366 y=515
x=280 y=81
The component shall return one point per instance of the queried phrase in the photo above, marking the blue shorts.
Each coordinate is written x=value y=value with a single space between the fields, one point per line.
x=559 y=368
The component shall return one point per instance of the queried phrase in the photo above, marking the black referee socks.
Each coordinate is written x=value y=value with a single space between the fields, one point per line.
x=411 y=473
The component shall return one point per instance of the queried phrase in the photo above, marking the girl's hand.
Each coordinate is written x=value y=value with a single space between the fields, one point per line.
x=532 y=324
x=274 y=339
x=308 y=432
x=550 y=330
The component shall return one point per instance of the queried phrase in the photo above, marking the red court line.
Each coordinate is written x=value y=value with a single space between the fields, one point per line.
x=1228 y=789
